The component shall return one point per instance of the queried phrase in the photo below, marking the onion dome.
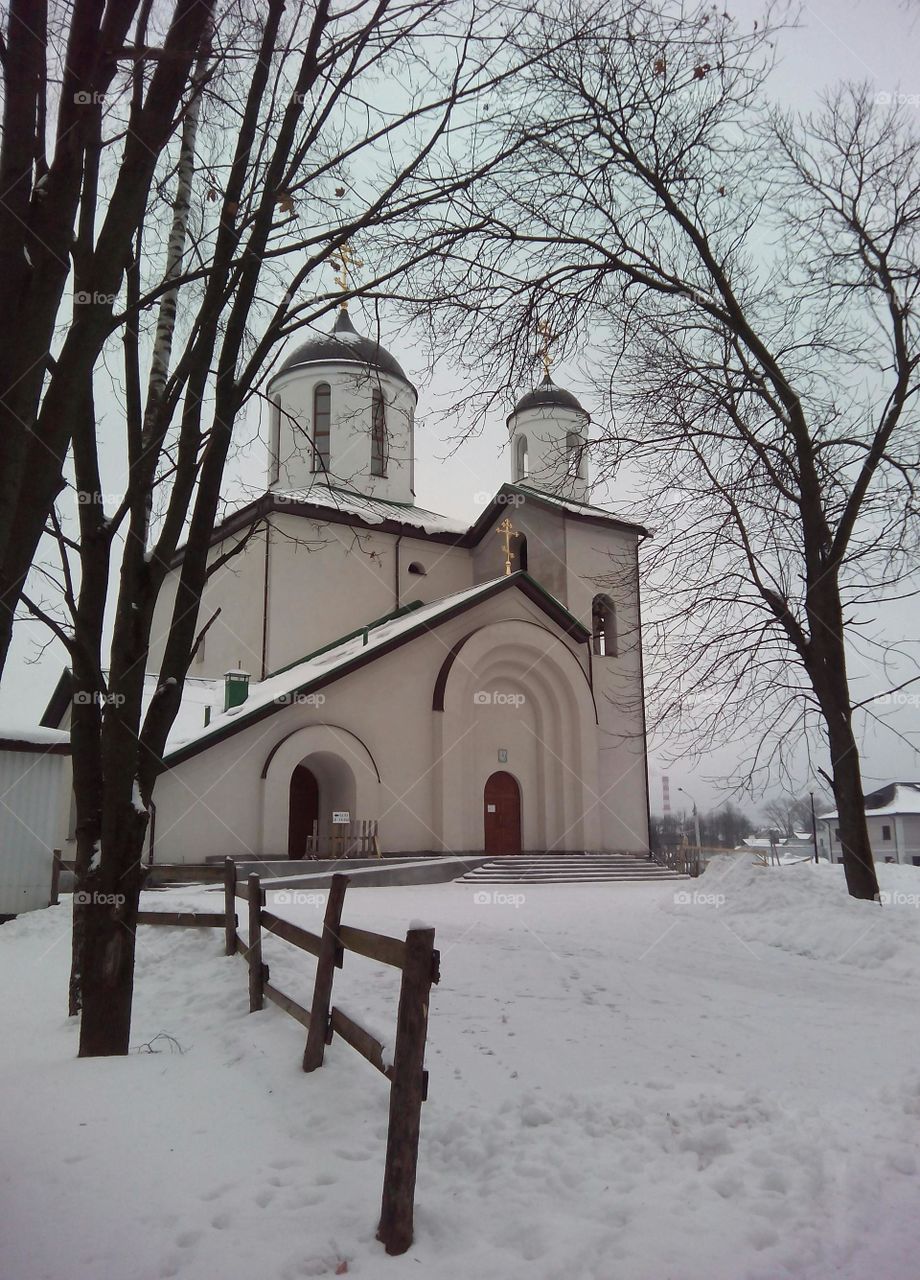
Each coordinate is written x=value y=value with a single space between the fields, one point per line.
x=343 y=346
x=547 y=395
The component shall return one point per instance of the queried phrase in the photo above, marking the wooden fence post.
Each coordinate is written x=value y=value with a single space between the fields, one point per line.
x=229 y=907
x=256 y=970
x=55 y=878
x=407 y=1091
x=325 y=968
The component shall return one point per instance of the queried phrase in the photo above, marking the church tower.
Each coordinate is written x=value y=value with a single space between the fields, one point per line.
x=549 y=435
x=342 y=415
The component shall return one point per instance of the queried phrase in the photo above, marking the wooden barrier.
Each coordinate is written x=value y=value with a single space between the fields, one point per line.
x=356 y=839
x=418 y=962
x=330 y=947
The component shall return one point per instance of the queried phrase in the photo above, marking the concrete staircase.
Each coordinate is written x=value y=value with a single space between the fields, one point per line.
x=567 y=868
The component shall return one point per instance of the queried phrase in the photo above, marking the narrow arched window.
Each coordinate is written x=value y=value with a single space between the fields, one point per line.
x=604 y=626
x=520 y=458
x=274 y=439
x=322 y=414
x=522 y=553
x=378 y=434
x=575 y=452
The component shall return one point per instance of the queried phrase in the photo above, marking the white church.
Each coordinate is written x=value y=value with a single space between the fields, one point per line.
x=376 y=667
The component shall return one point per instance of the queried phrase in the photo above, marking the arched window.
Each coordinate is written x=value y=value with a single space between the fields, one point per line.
x=322 y=414
x=520 y=458
x=522 y=553
x=378 y=434
x=274 y=438
x=604 y=626
x=575 y=454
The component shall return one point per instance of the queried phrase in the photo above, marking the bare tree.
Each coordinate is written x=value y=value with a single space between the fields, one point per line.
x=319 y=128
x=91 y=96
x=747 y=284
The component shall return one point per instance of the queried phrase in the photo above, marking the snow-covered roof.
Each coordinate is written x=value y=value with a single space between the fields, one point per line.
x=897 y=797
x=32 y=738
x=295 y=681
x=372 y=510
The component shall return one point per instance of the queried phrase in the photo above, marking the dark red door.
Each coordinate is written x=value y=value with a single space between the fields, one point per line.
x=502 y=815
x=304 y=810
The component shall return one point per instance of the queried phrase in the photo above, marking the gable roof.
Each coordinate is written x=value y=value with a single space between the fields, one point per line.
x=570 y=507
x=335 y=505
x=896 y=797
x=359 y=648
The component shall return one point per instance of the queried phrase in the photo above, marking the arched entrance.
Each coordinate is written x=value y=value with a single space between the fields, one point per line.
x=502 y=815
x=303 y=810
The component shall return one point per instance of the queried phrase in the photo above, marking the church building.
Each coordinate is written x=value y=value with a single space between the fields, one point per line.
x=377 y=667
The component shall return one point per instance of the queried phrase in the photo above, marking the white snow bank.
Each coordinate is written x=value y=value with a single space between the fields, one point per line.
x=805 y=909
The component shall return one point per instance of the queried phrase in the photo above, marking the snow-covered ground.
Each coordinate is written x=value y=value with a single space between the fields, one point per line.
x=624 y=1085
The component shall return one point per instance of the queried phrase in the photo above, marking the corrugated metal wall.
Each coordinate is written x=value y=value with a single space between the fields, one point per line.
x=30 y=809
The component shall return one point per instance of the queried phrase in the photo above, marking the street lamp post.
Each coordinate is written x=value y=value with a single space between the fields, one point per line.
x=814 y=823
x=696 y=816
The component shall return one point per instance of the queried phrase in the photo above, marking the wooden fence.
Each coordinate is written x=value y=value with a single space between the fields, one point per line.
x=415 y=958
x=356 y=839
x=684 y=858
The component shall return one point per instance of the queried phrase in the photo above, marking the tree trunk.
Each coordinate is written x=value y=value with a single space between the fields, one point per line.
x=109 y=940
x=858 y=863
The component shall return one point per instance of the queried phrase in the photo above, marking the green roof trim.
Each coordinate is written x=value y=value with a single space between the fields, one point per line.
x=351 y=635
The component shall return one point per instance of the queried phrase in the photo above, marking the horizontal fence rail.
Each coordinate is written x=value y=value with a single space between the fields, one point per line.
x=416 y=959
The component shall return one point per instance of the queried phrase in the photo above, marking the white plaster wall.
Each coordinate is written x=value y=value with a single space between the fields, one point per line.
x=235 y=638
x=433 y=765
x=350 y=430
x=549 y=464
x=324 y=581
x=602 y=559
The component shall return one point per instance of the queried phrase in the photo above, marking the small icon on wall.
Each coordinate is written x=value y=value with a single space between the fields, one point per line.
x=502 y=755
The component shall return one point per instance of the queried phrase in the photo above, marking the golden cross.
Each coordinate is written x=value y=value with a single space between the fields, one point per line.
x=507 y=531
x=346 y=267
x=548 y=336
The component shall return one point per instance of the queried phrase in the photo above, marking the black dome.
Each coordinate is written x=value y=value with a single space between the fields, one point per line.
x=344 y=345
x=548 y=395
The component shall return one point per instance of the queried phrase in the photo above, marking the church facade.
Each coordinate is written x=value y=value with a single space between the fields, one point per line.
x=466 y=689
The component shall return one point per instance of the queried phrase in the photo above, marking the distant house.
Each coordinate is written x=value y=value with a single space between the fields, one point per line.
x=893 y=816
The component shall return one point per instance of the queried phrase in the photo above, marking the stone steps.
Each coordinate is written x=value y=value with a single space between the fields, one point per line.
x=571 y=868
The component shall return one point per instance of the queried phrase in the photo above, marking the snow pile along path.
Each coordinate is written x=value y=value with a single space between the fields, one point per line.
x=624 y=1085
x=806 y=909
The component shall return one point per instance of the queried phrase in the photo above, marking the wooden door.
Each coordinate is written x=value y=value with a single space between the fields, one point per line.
x=502 y=815
x=304 y=810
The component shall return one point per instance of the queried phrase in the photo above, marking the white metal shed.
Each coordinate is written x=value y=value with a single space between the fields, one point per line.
x=34 y=811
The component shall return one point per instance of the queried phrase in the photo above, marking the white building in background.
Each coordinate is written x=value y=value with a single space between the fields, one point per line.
x=34 y=814
x=893 y=818
x=468 y=688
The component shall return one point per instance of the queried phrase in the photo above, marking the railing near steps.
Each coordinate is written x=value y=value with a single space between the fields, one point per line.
x=686 y=859
x=354 y=839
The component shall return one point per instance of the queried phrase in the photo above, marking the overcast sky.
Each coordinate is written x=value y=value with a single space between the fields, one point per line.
x=874 y=40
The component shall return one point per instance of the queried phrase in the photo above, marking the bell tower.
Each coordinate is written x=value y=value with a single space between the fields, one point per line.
x=549 y=435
